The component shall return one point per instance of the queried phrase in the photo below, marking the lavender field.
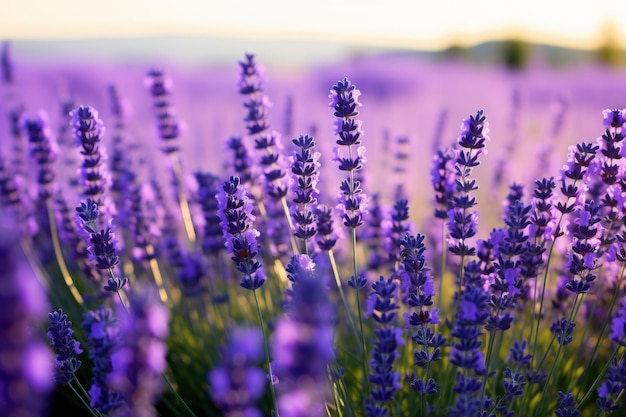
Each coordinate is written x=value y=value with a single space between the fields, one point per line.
x=376 y=236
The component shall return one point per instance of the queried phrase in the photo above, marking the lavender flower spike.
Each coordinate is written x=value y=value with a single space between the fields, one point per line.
x=26 y=368
x=230 y=389
x=462 y=223
x=43 y=150
x=168 y=126
x=103 y=250
x=61 y=338
x=302 y=345
x=103 y=339
x=235 y=211
x=138 y=364
x=385 y=382
x=305 y=170
x=88 y=131
x=344 y=100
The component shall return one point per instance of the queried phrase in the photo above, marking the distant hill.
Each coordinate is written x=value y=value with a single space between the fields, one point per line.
x=216 y=51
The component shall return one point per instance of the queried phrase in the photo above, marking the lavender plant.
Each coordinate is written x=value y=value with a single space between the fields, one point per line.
x=528 y=319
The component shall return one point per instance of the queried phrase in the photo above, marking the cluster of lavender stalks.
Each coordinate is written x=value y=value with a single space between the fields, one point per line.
x=342 y=308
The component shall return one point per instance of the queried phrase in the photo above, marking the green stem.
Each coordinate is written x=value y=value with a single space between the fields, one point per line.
x=557 y=358
x=444 y=256
x=267 y=354
x=603 y=328
x=93 y=412
x=358 y=305
x=58 y=253
x=599 y=378
x=183 y=203
x=333 y=266
x=177 y=395
x=292 y=237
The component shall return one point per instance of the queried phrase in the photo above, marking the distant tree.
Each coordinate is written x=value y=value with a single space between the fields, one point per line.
x=515 y=53
x=610 y=52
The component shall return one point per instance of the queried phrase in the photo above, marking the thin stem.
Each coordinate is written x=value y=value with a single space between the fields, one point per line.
x=333 y=266
x=58 y=253
x=93 y=412
x=267 y=354
x=124 y=304
x=292 y=238
x=182 y=197
x=177 y=395
x=156 y=273
x=605 y=323
x=599 y=378
x=444 y=256
x=557 y=358
x=358 y=304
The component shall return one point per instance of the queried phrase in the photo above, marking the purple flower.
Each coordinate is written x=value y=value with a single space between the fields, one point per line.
x=385 y=382
x=237 y=382
x=6 y=63
x=266 y=142
x=398 y=227
x=352 y=201
x=563 y=330
x=138 y=363
x=122 y=173
x=302 y=348
x=235 y=211
x=305 y=171
x=143 y=216
x=61 y=338
x=465 y=353
x=208 y=186
x=43 y=151
x=613 y=386
x=585 y=247
x=373 y=235
x=326 y=236
x=11 y=197
x=462 y=223
x=575 y=170
x=420 y=293
x=442 y=178
x=168 y=127
x=567 y=406
x=615 y=118
x=191 y=274
x=299 y=266
x=103 y=339
x=103 y=250
x=26 y=371
x=242 y=163
x=618 y=325
x=88 y=131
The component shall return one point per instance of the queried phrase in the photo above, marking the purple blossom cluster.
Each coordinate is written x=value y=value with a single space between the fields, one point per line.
x=235 y=211
x=27 y=366
x=237 y=382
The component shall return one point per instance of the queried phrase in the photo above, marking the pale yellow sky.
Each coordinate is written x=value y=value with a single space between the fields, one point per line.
x=430 y=25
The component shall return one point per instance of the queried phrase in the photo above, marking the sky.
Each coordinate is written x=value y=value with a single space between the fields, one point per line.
x=402 y=23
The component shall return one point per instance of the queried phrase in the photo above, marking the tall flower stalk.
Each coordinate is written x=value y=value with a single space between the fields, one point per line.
x=103 y=249
x=269 y=151
x=352 y=202
x=305 y=170
x=302 y=344
x=235 y=211
x=169 y=129
x=43 y=150
x=462 y=221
